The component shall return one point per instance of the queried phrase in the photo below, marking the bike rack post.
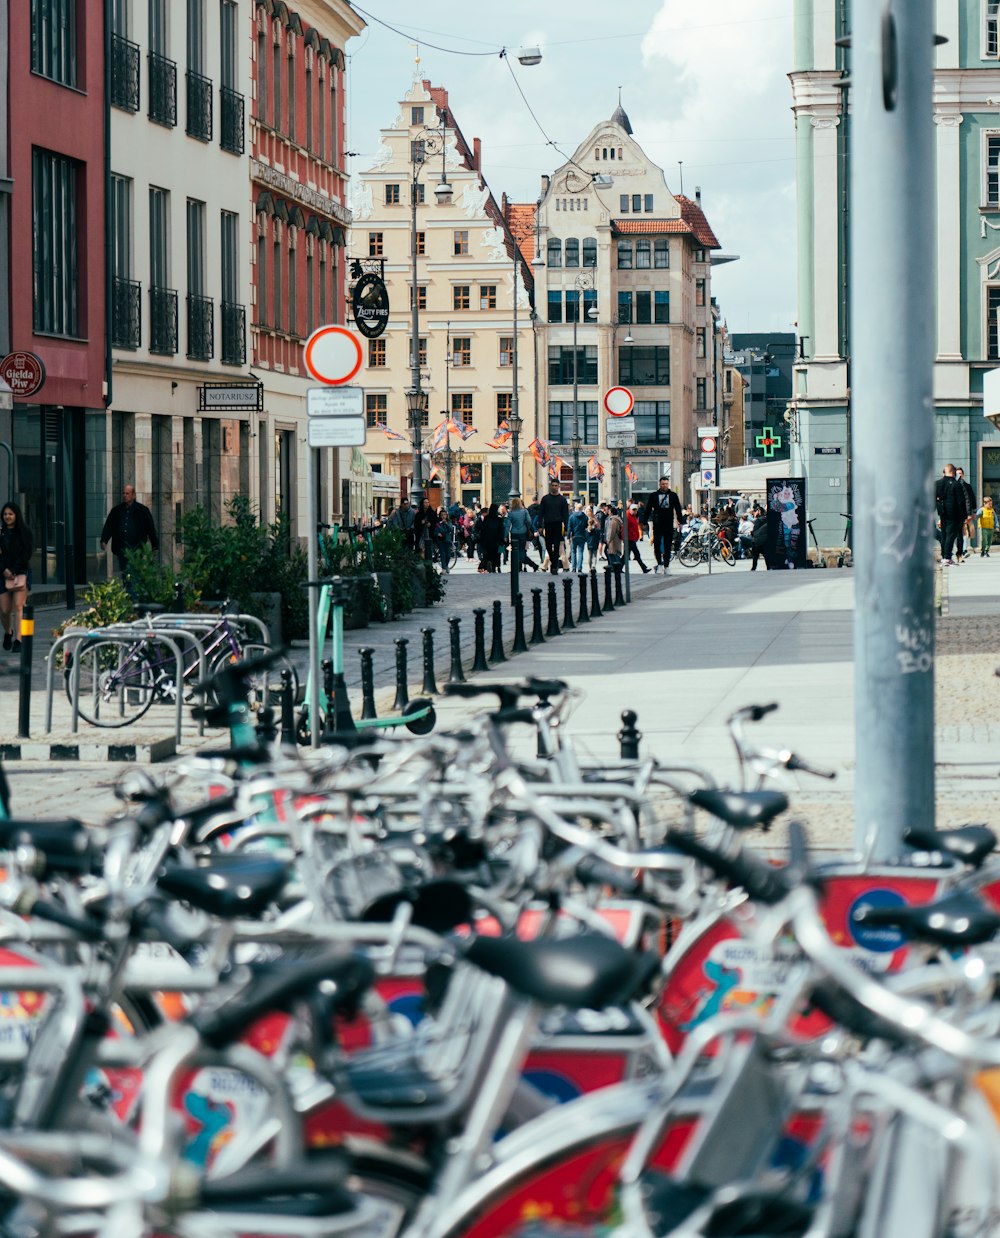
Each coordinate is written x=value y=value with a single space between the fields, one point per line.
x=608 y=600
x=552 y=627
x=496 y=649
x=629 y=736
x=50 y=666
x=479 y=662
x=367 y=683
x=24 y=673
x=595 y=600
x=583 y=616
x=402 y=691
x=537 y=636
x=567 y=622
x=456 y=674
x=430 y=683
x=520 y=644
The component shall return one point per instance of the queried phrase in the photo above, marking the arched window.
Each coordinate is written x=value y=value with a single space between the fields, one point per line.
x=554 y=252
x=612 y=152
x=589 y=251
x=572 y=251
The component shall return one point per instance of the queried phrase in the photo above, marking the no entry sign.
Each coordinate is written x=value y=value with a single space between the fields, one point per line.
x=333 y=355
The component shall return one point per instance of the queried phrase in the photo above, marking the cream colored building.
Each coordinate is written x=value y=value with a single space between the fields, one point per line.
x=465 y=271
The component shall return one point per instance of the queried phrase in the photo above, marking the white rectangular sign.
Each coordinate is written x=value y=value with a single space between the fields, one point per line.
x=336 y=432
x=335 y=402
x=708 y=478
x=708 y=431
x=620 y=432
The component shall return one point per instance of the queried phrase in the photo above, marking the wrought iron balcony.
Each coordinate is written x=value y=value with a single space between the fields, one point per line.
x=232 y=120
x=234 y=334
x=201 y=327
x=124 y=74
x=162 y=90
x=126 y=313
x=163 y=321
x=199 y=107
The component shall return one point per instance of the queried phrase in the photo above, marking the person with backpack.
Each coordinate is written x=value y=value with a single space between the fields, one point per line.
x=576 y=527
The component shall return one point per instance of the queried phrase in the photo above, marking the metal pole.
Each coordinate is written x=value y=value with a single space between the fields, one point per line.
x=576 y=406
x=313 y=606
x=891 y=161
x=515 y=459
x=418 y=464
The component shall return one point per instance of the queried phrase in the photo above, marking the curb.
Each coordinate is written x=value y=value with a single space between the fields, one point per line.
x=72 y=748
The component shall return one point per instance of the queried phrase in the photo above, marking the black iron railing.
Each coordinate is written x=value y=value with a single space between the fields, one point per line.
x=232 y=120
x=163 y=321
x=126 y=313
x=124 y=74
x=234 y=334
x=162 y=90
x=201 y=327
x=199 y=107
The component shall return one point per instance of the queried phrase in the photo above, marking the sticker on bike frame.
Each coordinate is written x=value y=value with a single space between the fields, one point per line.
x=878 y=939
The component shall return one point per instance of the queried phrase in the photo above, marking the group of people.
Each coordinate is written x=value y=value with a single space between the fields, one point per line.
x=959 y=516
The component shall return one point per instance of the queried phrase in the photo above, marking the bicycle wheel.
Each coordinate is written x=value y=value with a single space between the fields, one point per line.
x=264 y=686
x=690 y=554
x=726 y=553
x=118 y=683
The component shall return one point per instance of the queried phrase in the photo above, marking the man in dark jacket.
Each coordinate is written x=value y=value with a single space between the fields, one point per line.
x=660 y=510
x=553 y=515
x=129 y=525
x=950 y=504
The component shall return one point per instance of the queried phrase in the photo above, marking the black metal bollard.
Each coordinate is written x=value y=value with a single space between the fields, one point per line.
x=430 y=683
x=520 y=644
x=515 y=569
x=287 y=710
x=608 y=602
x=456 y=674
x=619 y=596
x=267 y=726
x=402 y=692
x=24 y=672
x=537 y=636
x=338 y=705
x=552 y=628
x=367 y=684
x=595 y=595
x=583 y=616
x=568 y=603
x=496 y=649
x=479 y=662
x=628 y=736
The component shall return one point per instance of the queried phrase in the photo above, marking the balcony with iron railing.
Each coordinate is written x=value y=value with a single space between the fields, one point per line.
x=199 y=107
x=126 y=313
x=231 y=138
x=163 y=321
x=201 y=327
x=234 y=334
x=124 y=74
x=162 y=90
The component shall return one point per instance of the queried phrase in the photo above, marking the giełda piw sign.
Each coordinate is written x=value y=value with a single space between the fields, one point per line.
x=23 y=372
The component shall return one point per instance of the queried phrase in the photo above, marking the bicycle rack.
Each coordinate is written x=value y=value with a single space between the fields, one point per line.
x=207 y=617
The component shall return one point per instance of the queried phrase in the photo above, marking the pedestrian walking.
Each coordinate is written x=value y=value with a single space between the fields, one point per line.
x=949 y=503
x=518 y=526
x=490 y=538
x=553 y=514
x=758 y=539
x=614 y=535
x=15 y=573
x=635 y=536
x=424 y=528
x=987 y=524
x=968 y=502
x=593 y=541
x=577 y=529
x=661 y=509
x=129 y=525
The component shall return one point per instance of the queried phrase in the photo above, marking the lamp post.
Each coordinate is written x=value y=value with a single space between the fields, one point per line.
x=618 y=453
x=416 y=397
x=514 y=422
x=584 y=284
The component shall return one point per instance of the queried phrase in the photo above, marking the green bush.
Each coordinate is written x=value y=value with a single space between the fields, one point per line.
x=107 y=602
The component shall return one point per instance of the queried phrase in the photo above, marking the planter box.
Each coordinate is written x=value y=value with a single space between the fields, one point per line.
x=269 y=607
x=419 y=587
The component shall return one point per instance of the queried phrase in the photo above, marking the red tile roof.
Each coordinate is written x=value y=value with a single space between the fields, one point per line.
x=692 y=213
x=520 y=217
x=692 y=222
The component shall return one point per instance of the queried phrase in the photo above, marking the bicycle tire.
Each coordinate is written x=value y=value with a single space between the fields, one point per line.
x=727 y=554
x=690 y=556
x=108 y=699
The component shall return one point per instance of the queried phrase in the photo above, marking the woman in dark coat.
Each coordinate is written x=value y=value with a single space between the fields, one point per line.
x=15 y=565
x=424 y=529
x=490 y=538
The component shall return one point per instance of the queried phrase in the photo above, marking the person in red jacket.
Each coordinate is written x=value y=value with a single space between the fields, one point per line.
x=634 y=534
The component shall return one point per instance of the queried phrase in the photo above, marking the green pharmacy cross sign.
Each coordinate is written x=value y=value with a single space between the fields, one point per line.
x=768 y=441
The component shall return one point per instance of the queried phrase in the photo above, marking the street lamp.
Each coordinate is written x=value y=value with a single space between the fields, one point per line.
x=514 y=423
x=416 y=399
x=584 y=283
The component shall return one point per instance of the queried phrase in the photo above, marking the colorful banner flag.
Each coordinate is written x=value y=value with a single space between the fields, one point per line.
x=501 y=435
x=631 y=474
x=556 y=466
x=393 y=434
x=435 y=472
x=595 y=470
x=456 y=427
x=440 y=436
x=465 y=473
x=538 y=450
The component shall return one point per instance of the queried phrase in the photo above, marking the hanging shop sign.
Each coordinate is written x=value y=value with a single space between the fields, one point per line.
x=370 y=305
x=23 y=372
x=246 y=397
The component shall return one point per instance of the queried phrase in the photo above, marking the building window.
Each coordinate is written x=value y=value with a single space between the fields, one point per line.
x=320 y=116
x=624 y=255
x=419 y=192
x=421 y=296
x=53 y=40
x=554 y=258
x=636 y=203
x=661 y=306
x=461 y=407
x=417 y=151
x=647 y=204
x=624 y=307
x=555 y=305
x=505 y=405
x=643 y=306
x=126 y=294
x=992 y=315
x=572 y=251
x=991 y=45
x=334 y=155
x=233 y=313
x=644 y=366
x=661 y=255
x=416 y=115
x=460 y=243
x=374 y=244
x=276 y=281
x=561 y=365
x=623 y=203
x=699 y=348
x=487 y=296
x=54 y=243
x=421 y=244
x=506 y=351
x=290 y=90
x=699 y=254
x=376 y=354
x=162 y=298
x=261 y=306
x=310 y=294
x=421 y=351
x=572 y=304
x=293 y=290
x=699 y=292
x=589 y=251
x=461 y=350
x=310 y=106
x=261 y=76
x=461 y=297
x=652 y=421
x=643 y=254
x=377 y=410
x=322 y=282
x=392 y=195
x=561 y=420
x=991 y=190
x=276 y=73
x=701 y=392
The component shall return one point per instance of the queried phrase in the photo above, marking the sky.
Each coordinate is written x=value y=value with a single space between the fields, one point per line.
x=705 y=87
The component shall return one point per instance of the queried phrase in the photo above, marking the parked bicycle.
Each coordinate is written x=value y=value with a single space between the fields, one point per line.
x=697 y=544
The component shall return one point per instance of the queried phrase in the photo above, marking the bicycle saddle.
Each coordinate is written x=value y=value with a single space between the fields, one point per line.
x=743 y=810
x=668 y=1203
x=969 y=844
x=65 y=843
x=959 y=919
x=231 y=886
x=311 y=1189
x=589 y=971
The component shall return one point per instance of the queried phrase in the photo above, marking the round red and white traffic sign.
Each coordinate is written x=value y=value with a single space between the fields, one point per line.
x=708 y=446
x=333 y=355
x=619 y=401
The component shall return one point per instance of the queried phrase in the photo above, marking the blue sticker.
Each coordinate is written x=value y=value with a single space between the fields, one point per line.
x=880 y=940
